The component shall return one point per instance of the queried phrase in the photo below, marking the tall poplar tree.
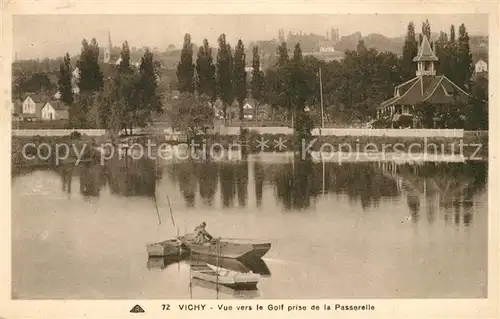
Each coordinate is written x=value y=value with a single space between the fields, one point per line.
x=299 y=94
x=282 y=85
x=464 y=58
x=410 y=50
x=120 y=109
x=257 y=81
x=125 y=57
x=91 y=79
x=225 y=89
x=240 y=76
x=205 y=72
x=441 y=50
x=149 y=101
x=64 y=81
x=90 y=82
x=185 y=68
x=426 y=30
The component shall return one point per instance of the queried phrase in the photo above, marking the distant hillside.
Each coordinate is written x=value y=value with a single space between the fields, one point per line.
x=478 y=44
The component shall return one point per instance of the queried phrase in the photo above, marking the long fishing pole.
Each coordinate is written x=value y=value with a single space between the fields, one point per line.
x=154 y=197
x=157 y=210
x=170 y=208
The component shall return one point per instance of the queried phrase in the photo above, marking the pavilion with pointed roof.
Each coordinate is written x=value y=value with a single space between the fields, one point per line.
x=426 y=86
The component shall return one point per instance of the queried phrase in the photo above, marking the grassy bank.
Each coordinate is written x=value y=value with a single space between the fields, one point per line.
x=37 y=151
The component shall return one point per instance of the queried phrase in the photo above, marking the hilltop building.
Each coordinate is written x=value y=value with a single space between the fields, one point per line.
x=426 y=86
x=481 y=68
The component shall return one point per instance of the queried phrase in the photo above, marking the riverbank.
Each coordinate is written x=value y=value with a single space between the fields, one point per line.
x=470 y=144
x=40 y=151
x=37 y=151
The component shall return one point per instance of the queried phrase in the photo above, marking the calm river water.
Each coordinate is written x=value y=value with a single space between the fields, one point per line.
x=356 y=230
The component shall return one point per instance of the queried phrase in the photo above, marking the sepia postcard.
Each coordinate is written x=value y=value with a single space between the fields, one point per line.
x=249 y=159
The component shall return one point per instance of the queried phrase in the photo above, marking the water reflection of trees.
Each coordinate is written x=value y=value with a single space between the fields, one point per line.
x=259 y=182
x=428 y=188
x=132 y=177
x=204 y=178
x=122 y=177
x=296 y=184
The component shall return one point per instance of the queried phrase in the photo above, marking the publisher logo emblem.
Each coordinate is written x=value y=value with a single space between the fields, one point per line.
x=137 y=309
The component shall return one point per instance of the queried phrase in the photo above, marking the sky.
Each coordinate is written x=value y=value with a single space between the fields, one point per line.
x=40 y=36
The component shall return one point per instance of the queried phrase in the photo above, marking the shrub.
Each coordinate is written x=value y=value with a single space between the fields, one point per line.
x=75 y=135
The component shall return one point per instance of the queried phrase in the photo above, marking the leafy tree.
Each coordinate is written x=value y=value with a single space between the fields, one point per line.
x=35 y=83
x=426 y=112
x=185 y=69
x=123 y=103
x=148 y=100
x=225 y=85
x=270 y=89
x=240 y=76
x=191 y=113
x=79 y=111
x=257 y=81
x=91 y=79
x=477 y=108
x=410 y=50
x=205 y=72
x=90 y=83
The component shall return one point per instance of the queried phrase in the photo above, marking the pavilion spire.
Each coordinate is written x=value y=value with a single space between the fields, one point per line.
x=425 y=58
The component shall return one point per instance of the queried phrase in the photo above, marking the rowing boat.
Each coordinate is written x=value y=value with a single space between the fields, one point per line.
x=171 y=247
x=226 y=248
x=224 y=277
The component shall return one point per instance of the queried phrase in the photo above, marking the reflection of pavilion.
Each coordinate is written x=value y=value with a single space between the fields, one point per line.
x=428 y=189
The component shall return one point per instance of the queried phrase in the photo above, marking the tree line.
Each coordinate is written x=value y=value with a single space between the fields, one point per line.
x=204 y=81
x=126 y=99
x=352 y=87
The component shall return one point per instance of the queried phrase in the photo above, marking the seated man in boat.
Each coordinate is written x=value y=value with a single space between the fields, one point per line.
x=202 y=236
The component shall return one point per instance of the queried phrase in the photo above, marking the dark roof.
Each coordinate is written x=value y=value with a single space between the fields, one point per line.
x=433 y=89
x=58 y=105
x=38 y=97
x=425 y=52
